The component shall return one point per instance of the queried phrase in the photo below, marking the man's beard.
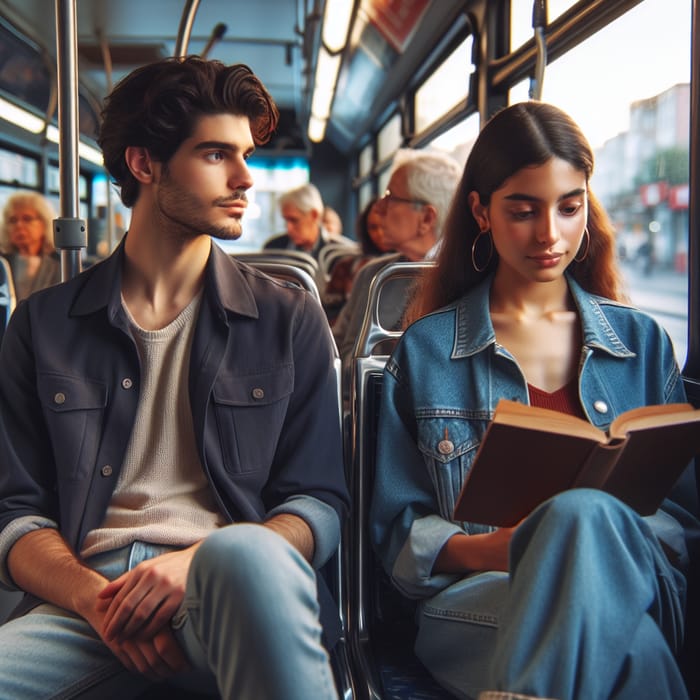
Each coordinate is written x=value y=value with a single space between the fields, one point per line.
x=187 y=214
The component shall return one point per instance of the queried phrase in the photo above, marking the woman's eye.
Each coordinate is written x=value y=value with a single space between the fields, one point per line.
x=522 y=214
x=570 y=209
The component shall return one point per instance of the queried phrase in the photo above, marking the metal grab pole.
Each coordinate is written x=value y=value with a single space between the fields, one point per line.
x=185 y=29
x=539 y=22
x=70 y=232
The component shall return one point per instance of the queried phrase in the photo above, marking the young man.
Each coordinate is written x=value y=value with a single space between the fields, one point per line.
x=172 y=464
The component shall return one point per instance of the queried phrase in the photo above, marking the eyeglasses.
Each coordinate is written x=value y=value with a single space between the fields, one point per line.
x=389 y=196
x=26 y=219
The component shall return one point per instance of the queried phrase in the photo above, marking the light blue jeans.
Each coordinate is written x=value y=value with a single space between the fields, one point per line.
x=248 y=624
x=591 y=610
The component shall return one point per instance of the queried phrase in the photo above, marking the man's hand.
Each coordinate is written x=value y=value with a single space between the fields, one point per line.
x=158 y=657
x=141 y=602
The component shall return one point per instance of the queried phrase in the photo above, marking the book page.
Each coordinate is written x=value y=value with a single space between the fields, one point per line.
x=523 y=416
x=649 y=416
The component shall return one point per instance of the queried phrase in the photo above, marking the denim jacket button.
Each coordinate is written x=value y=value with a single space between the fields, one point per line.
x=600 y=406
x=258 y=393
x=446 y=447
x=127 y=383
x=59 y=398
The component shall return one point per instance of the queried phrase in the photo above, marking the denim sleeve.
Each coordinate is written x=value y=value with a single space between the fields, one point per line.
x=412 y=572
x=405 y=532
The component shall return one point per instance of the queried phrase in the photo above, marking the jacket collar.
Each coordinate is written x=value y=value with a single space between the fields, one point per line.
x=474 y=330
x=225 y=285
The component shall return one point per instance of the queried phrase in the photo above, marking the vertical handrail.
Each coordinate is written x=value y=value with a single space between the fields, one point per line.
x=70 y=232
x=692 y=366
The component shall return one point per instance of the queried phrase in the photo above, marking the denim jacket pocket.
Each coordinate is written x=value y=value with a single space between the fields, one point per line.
x=250 y=411
x=448 y=444
x=73 y=408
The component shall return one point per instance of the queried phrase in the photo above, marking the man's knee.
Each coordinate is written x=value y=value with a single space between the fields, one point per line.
x=247 y=555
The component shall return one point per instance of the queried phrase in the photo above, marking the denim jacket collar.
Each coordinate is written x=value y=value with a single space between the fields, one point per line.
x=474 y=329
x=100 y=291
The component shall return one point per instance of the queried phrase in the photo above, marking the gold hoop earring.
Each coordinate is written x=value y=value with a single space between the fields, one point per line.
x=581 y=258
x=490 y=255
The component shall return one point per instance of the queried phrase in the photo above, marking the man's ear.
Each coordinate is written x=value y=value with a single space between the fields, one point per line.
x=479 y=211
x=428 y=219
x=139 y=162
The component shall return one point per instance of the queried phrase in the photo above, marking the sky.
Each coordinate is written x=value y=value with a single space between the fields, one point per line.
x=638 y=56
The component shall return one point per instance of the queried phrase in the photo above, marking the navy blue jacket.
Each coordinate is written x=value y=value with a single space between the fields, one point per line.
x=263 y=393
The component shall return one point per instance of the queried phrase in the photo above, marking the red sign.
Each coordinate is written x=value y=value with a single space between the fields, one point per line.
x=678 y=197
x=396 y=20
x=653 y=194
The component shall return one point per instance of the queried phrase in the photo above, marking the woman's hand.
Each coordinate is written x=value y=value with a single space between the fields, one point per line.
x=464 y=553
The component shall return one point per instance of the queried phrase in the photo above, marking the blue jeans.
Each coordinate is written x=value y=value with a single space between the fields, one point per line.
x=248 y=624
x=591 y=610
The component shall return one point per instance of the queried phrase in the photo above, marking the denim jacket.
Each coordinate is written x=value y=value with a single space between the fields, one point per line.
x=446 y=376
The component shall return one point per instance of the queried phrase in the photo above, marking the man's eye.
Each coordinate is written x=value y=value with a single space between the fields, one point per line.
x=215 y=156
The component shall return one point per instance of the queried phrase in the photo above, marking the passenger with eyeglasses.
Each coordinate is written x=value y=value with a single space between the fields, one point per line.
x=413 y=209
x=26 y=239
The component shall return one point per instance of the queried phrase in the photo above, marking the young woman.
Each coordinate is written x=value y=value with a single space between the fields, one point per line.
x=581 y=600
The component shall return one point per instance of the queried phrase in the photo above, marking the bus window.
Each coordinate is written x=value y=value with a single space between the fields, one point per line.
x=447 y=86
x=637 y=120
x=458 y=140
x=389 y=138
x=521 y=18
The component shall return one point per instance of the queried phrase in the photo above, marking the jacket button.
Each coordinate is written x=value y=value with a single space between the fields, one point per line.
x=446 y=447
x=600 y=406
x=59 y=397
x=106 y=470
x=258 y=393
x=127 y=383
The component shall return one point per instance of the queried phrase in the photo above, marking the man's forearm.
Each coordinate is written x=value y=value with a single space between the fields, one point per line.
x=295 y=530
x=42 y=563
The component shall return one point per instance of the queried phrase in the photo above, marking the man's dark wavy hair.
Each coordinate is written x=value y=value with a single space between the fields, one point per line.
x=156 y=107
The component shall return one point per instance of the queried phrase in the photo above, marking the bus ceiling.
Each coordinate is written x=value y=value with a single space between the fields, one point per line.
x=373 y=55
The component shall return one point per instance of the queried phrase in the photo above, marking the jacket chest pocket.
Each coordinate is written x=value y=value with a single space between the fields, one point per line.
x=73 y=408
x=250 y=412
x=448 y=445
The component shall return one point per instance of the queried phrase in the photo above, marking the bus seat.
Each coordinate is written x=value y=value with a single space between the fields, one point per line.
x=381 y=629
x=7 y=294
x=291 y=257
x=331 y=253
x=289 y=273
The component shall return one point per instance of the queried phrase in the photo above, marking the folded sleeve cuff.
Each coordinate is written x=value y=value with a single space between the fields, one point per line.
x=321 y=518
x=10 y=534
x=412 y=572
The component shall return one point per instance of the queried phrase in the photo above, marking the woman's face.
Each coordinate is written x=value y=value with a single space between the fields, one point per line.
x=375 y=229
x=537 y=219
x=27 y=231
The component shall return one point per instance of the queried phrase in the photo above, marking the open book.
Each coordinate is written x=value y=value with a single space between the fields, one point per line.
x=529 y=454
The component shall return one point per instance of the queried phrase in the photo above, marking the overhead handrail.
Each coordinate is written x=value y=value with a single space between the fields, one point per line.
x=539 y=22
